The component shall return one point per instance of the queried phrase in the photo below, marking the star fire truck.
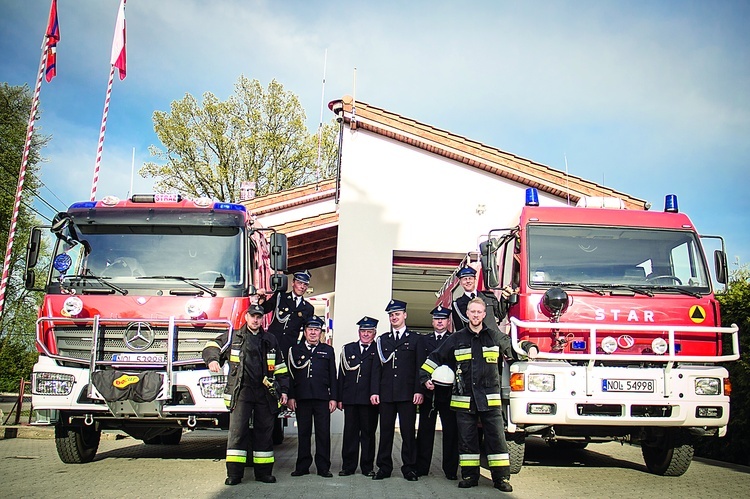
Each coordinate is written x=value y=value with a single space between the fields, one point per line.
x=135 y=289
x=620 y=303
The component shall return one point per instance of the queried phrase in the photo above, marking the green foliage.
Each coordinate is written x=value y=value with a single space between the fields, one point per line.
x=257 y=135
x=735 y=309
x=17 y=352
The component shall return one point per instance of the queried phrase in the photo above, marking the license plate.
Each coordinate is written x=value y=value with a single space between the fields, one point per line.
x=628 y=385
x=139 y=358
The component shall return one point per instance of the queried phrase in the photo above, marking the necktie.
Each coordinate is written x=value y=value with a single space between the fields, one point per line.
x=473 y=295
x=296 y=301
x=440 y=338
x=398 y=336
x=363 y=347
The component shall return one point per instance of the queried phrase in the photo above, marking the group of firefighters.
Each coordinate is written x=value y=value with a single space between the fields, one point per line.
x=377 y=379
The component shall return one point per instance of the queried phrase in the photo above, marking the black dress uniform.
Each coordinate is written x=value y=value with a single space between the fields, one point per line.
x=360 y=416
x=313 y=386
x=252 y=358
x=289 y=317
x=476 y=398
x=436 y=402
x=395 y=381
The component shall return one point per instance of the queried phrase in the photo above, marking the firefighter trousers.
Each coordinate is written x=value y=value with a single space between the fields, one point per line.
x=428 y=414
x=263 y=417
x=496 y=447
x=360 y=423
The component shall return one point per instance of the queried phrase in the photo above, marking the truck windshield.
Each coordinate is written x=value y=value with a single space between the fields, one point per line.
x=654 y=259
x=121 y=254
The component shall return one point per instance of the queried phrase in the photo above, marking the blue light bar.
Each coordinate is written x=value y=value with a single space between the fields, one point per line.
x=532 y=197
x=83 y=204
x=670 y=203
x=229 y=206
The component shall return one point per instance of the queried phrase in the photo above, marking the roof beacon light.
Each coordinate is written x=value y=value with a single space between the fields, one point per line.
x=670 y=204
x=532 y=197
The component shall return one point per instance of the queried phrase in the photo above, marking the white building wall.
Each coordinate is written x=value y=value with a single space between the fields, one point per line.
x=397 y=197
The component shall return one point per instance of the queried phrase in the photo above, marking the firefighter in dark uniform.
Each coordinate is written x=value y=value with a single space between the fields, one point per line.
x=313 y=394
x=476 y=351
x=257 y=385
x=396 y=390
x=290 y=311
x=496 y=309
x=360 y=416
x=436 y=402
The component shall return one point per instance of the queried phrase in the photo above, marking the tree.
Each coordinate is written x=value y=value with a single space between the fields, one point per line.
x=257 y=135
x=19 y=312
x=735 y=309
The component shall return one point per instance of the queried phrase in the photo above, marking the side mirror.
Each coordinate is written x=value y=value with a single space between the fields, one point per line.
x=489 y=272
x=29 y=279
x=721 y=267
x=278 y=252
x=279 y=282
x=32 y=248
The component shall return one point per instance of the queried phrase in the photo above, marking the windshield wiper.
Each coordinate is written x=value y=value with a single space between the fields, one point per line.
x=676 y=288
x=584 y=287
x=91 y=275
x=188 y=280
x=629 y=287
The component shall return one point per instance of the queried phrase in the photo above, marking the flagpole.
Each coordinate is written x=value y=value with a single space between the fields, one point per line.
x=101 y=133
x=22 y=177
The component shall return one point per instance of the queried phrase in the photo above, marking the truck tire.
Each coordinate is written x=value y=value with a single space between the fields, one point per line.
x=516 y=450
x=670 y=456
x=278 y=431
x=76 y=445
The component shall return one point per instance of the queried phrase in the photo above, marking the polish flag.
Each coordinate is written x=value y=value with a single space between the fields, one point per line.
x=118 y=44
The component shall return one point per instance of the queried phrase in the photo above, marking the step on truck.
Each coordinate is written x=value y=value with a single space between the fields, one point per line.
x=621 y=305
x=134 y=291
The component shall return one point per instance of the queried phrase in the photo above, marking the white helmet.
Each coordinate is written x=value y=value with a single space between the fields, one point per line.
x=443 y=376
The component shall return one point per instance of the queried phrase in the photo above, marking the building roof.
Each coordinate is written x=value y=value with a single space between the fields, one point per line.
x=360 y=115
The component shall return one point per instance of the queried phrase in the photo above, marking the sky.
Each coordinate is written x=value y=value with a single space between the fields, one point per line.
x=647 y=97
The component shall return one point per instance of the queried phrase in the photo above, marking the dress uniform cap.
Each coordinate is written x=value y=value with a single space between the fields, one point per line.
x=440 y=312
x=255 y=310
x=466 y=272
x=367 y=323
x=395 y=306
x=314 y=321
x=302 y=276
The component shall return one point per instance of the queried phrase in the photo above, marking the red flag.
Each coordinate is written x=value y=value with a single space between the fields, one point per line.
x=52 y=37
x=118 y=44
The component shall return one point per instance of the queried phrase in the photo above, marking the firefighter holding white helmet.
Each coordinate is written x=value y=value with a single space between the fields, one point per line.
x=476 y=352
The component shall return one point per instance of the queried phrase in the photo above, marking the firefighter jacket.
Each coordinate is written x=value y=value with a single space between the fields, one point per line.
x=275 y=368
x=355 y=373
x=395 y=374
x=477 y=358
x=496 y=310
x=313 y=373
x=428 y=343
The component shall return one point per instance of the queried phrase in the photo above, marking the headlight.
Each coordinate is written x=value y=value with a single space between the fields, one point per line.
x=707 y=386
x=659 y=346
x=212 y=387
x=52 y=384
x=541 y=383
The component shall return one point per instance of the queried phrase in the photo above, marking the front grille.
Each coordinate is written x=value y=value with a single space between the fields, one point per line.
x=610 y=410
x=651 y=411
x=75 y=341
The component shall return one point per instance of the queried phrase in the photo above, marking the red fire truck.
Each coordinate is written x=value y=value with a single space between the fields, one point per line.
x=135 y=289
x=621 y=305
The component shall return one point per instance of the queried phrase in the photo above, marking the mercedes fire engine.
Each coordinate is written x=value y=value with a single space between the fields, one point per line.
x=620 y=303
x=135 y=290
